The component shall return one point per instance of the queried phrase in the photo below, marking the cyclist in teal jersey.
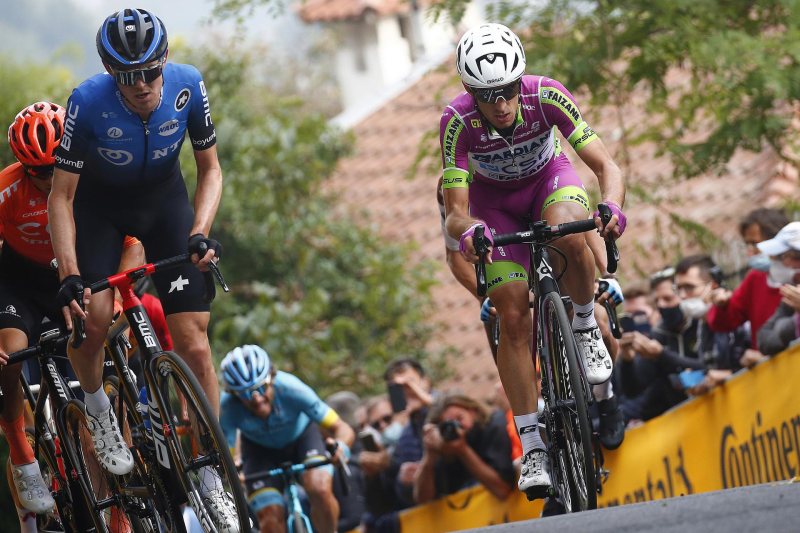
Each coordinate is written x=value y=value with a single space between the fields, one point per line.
x=502 y=163
x=280 y=418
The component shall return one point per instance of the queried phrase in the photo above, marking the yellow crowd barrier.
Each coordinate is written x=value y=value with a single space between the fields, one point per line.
x=744 y=432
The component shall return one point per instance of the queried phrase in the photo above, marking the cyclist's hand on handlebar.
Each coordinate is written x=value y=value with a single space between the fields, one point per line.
x=204 y=250
x=69 y=294
x=616 y=226
x=340 y=456
x=612 y=292
x=467 y=246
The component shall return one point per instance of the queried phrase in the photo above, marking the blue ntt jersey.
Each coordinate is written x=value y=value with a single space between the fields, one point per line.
x=294 y=406
x=111 y=147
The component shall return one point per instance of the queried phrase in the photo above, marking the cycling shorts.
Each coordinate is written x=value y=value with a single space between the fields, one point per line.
x=161 y=218
x=504 y=211
x=262 y=492
x=27 y=295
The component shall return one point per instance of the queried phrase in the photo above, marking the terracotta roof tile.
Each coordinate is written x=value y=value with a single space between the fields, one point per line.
x=386 y=144
x=336 y=10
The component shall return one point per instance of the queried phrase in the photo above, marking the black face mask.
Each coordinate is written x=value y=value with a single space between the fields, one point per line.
x=672 y=317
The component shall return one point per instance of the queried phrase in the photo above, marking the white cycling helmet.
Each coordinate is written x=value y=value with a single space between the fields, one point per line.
x=490 y=56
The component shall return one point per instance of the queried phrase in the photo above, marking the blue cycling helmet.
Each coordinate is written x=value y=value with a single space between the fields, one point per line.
x=131 y=37
x=246 y=369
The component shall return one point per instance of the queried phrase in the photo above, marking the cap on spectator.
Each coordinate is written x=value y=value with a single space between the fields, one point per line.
x=788 y=238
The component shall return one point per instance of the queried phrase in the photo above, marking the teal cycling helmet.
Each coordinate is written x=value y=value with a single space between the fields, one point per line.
x=246 y=370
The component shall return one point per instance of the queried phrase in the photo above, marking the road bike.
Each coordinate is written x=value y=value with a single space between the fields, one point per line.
x=565 y=390
x=178 y=446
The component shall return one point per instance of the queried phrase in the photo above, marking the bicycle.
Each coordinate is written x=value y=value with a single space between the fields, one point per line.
x=184 y=443
x=69 y=467
x=565 y=390
x=297 y=521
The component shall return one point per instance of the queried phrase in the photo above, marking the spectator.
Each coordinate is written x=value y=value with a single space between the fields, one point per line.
x=385 y=428
x=782 y=328
x=756 y=299
x=465 y=443
x=501 y=401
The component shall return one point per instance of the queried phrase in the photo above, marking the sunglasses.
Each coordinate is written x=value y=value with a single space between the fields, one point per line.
x=247 y=394
x=147 y=75
x=385 y=421
x=41 y=172
x=493 y=95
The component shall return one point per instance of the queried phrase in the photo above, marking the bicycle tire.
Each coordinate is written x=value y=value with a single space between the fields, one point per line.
x=62 y=518
x=97 y=483
x=200 y=435
x=165 y=513
x=579 y=472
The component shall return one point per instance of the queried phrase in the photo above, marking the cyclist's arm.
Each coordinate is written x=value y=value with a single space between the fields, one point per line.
x=62 y=224
x=209 y=189
x=334 y=427
x=612 y=184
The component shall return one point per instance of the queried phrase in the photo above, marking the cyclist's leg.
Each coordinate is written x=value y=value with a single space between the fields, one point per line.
x=264 y=495
x=317 y=482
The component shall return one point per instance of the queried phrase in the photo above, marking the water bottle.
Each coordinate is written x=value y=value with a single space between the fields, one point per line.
x=143 y=408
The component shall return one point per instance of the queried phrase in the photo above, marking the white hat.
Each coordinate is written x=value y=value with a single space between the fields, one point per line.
x=788 y=238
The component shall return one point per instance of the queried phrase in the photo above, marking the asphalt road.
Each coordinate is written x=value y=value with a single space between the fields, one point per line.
x=769 y=508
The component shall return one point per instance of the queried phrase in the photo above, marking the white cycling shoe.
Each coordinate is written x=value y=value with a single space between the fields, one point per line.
x=34 y=495
x=109 y=446
x=223 y=511
x=534 y=479
x=596 y=357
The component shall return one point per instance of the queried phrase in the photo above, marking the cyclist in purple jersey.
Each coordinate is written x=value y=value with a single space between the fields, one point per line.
x=502 y=162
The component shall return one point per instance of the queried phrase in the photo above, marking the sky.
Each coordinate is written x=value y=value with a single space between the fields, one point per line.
x=40 y=30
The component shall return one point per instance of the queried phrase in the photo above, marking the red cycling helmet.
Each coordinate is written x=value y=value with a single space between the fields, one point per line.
x=36 y=133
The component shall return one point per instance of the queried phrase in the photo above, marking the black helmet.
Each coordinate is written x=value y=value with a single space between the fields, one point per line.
x=131 y=37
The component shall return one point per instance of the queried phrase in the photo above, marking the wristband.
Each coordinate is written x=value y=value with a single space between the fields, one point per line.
x=615 y=210
x=462 y=247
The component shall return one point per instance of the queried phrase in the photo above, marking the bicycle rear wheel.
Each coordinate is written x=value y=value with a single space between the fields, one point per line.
x=198 y=447
x=61 y=518
x=574 y=459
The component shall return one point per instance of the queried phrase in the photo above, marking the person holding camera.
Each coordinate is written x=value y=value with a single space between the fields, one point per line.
x=464 y=443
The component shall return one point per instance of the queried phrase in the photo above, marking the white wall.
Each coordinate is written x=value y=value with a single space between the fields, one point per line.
x=393 y=51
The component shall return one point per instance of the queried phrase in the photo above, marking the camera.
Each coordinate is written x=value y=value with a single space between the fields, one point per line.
x=449 y=429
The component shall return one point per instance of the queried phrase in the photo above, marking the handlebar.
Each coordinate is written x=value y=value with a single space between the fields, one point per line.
x=47 y=346
x=541 y=232
x=129 y=276
x=293 y=469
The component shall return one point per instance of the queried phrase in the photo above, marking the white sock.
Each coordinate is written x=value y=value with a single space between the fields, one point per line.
x=528 y=428
x=96 y=402
x=27 y=521
x=604 y=391
x=209 y=480
x=583 y=318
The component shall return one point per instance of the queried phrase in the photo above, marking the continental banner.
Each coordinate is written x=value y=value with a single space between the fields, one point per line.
x=745 y=432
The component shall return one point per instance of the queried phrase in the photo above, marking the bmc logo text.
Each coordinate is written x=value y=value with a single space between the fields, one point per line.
x=144 y=329
x=206 y=108
x=69 y=127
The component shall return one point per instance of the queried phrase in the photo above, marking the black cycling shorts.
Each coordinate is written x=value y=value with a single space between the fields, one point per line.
x=27 y=295
x=257 y=458
x=161 y=218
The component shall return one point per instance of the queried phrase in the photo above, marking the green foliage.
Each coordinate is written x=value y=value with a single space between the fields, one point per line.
x=317 y=288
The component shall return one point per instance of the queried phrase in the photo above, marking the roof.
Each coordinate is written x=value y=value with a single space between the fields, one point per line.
x=374 y=178
x=338 y=10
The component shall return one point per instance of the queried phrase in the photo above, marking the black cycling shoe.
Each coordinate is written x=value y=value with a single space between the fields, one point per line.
x=552 y=507
x=612 y=424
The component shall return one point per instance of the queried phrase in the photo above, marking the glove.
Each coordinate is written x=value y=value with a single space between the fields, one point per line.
x=71 y=289
x=485 y=314
x=615 y=210
x=462 y=247
x=197 y=239
x=614 y=290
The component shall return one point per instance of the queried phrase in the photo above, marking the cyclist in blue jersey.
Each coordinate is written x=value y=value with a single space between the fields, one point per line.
x=280 y=418
x=117 y=173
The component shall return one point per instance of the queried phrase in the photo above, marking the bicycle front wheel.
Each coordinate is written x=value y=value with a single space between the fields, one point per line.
x=199 y=450
x=574 y=458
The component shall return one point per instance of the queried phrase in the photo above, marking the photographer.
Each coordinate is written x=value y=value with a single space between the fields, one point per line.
x=464 y=443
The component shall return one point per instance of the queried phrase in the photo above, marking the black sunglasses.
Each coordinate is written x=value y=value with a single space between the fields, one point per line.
x=386 y=420
x=147 y=75
x=41 y=172
x=491 y=96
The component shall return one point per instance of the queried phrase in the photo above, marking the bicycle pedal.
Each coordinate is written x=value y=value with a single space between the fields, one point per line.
x=538 y=493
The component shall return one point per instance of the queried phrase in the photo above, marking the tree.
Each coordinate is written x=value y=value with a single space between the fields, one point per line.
x=318 y=289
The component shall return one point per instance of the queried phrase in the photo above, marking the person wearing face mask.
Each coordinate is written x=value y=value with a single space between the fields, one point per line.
x=783 y=327
x=757 y=298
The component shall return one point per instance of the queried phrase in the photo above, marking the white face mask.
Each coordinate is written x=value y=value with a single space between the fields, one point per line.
x=696 y=307
x=392 y=433
x=780 y=274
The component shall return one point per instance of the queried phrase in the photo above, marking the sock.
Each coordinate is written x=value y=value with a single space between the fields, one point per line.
x=20 y=451
x=27 y=521
x=96 y=402
x=583 y=317
x=604 y=391
x=209 y=480
x=528 y=427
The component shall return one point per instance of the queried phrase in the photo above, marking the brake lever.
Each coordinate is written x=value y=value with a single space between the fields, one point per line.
x=78 y=326
x=480 y=268
x=612 y=252
x=212 y=266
